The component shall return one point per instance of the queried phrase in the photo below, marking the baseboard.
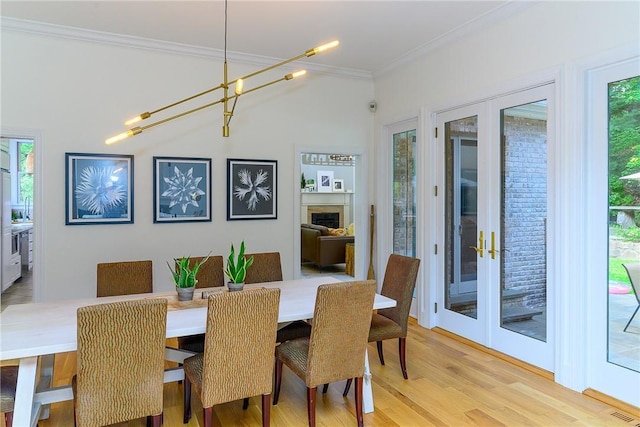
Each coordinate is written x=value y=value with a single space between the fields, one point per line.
x=616 y=403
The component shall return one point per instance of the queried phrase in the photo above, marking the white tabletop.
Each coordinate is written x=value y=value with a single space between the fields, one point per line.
x=37 y=329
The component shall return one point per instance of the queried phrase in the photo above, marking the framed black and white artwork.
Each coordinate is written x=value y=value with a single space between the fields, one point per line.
x=181 y=189
x=98 y=189
x=252 y=189
x=324 y=181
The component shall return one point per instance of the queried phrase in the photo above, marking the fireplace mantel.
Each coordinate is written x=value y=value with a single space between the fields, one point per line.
x=323 y=202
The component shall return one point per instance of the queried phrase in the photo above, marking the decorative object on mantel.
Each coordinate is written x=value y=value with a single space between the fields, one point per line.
x=225 y=85
x=185 y=276
x=236 y=269
x=324 y=181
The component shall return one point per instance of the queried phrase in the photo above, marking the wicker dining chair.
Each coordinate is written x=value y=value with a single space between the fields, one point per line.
x=633 y=271
x=8 y=382
x=237 y=362
x=121 y=352
x=336 y=348
x=266 y=267
x=124 y=278
x=210 y=275
x=389 y=323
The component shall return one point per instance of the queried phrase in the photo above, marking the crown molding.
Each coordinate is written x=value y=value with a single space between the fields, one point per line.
x=53 y=30
x=491 y=17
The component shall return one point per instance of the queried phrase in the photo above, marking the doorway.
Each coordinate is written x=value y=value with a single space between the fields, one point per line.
x=18 y=219
x=493 y=268
x=613 y=206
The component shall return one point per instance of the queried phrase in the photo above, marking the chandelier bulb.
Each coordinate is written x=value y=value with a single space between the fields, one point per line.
x=239 y=86
x=124 y=135
x=137 y=119
x=322 y=48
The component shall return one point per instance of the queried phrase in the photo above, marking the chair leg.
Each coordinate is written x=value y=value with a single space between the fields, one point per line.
x=245 y=403
x=402 y=351
x=311 y=406
x=155 y=420
x=359 y=416
x=347 y=386
x=8 y=418
x=266 y=410
x=208 y=416
x=278 y=374
x=629 y=322
x=325 y=388
x=186 y=410
x=380 y=355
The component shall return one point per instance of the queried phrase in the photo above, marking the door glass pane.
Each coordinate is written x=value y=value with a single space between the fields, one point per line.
x=404 y=195
x=461 y=217
x=523 y=256
x=624 y=233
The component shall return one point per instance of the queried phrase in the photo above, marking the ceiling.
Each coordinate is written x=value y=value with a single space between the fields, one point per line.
x=373 y=34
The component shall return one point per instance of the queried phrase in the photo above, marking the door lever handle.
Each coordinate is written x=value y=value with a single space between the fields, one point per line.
x=480 y=248
x=493 y=251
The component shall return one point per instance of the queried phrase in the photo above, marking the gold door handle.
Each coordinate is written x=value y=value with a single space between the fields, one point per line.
x=493 y=251
x=480 y=248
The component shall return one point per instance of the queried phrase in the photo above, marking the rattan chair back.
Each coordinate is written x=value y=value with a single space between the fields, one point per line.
x=121 y=351
x=124 y=278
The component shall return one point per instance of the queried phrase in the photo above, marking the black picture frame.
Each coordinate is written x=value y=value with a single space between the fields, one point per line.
x=98 y=189
x=181 y=189
x=252 y=189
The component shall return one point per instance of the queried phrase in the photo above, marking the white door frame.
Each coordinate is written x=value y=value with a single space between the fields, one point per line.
x=613 y=380
x=38 y=225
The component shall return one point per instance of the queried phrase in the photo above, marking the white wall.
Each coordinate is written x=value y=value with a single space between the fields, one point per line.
x=76 y=93
x=543 y=41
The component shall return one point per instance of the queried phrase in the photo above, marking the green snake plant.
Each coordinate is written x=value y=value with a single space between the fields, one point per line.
x=236 y=269
x=183 y=275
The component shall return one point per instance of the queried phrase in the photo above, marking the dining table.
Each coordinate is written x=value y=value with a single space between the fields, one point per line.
x=32 y=334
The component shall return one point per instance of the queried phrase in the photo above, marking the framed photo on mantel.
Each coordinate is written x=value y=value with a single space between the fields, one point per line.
x=324 y=181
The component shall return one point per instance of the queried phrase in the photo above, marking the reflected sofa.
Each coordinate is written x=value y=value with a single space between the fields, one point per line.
x=320 y=247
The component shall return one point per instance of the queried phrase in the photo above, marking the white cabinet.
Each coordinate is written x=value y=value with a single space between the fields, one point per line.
x=26 y=249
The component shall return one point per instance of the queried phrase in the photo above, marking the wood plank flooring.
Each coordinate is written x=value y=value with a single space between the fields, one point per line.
x=450 y=384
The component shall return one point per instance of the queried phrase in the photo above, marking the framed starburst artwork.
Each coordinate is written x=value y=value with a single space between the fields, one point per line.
x=252 y=189
x=181 y=189
x=98 y=189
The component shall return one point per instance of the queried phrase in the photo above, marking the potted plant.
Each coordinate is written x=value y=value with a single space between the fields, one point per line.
x=236 y=268
x=185 y=276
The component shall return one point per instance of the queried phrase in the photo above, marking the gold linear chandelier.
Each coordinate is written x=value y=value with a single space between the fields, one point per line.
x=226 y=98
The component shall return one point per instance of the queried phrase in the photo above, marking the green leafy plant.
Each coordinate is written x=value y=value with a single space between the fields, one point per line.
x=236 y=269
x=183 y=274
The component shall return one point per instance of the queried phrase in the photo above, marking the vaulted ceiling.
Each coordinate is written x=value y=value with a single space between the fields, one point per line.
x=374 y=35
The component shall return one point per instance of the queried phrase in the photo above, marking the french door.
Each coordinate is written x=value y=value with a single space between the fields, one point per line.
x=493 y=219
x=613 y=204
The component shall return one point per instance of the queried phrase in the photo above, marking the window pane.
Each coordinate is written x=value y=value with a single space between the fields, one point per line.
x=404 y=197
x=624 y=218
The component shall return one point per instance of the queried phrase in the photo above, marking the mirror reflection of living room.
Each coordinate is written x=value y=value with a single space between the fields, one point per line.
x=327 y=230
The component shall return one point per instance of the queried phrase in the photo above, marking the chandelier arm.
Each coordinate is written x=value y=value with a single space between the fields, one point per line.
x=187 y=99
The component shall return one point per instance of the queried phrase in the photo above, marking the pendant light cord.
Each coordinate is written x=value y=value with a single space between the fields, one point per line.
x=225 y=30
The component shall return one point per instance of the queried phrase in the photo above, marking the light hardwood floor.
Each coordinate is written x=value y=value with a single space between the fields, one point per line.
x=450 y=384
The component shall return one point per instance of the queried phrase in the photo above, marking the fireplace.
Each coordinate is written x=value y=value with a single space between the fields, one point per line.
x=328 y=219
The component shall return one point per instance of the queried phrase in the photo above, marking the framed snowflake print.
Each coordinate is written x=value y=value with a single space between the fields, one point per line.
x=181 y=189
x=252 y=189
x=98 y=189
